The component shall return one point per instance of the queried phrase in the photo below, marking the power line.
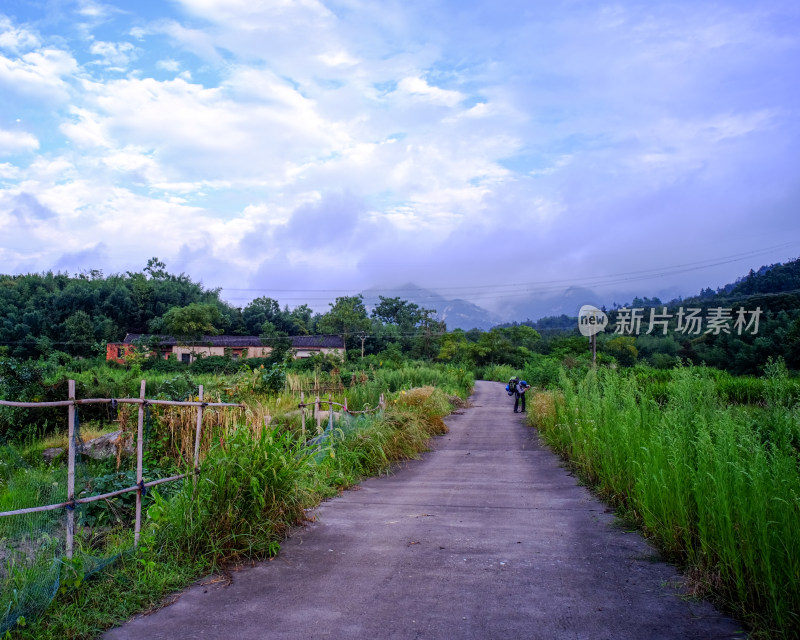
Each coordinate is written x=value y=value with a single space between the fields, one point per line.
x=506 y=290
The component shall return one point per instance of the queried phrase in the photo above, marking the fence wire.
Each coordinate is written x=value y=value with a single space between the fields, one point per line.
x=33 y=560
x=37 y=553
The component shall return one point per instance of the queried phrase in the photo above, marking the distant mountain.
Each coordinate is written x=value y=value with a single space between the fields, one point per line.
x=534 y=307
x=457 y=313
x=462 y=314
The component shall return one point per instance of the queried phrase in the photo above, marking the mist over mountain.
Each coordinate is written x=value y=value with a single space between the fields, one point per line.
x=457 y=313
x=534 y=307
x=463 y=314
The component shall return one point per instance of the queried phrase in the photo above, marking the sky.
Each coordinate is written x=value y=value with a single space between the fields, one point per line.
x=304 y=149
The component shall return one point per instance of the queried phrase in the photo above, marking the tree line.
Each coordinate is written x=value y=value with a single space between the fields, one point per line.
x=773 y=289
x=43 y=314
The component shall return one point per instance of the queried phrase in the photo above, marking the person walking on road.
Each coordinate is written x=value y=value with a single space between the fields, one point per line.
x=519 y=394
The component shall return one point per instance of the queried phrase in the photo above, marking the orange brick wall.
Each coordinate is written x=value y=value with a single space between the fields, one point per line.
x=113 y=350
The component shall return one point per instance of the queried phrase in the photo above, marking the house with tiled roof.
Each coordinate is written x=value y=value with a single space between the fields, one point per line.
x=232 y=346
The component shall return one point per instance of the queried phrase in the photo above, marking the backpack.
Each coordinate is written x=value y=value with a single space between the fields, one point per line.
x=511 y=387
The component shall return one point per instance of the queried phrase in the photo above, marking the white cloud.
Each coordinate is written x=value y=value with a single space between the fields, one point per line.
x=250 y=14
x=95 y=10
x=116 y=54
x=197 y=41
x=87 y=129
x=168 y=65
x=38 y=73
x=419 y=88
x=673 y=148
x=16 y=39
x=337 y=59
x=438 y=131
x=9 y=171
x=255 y=125
x=12 y=142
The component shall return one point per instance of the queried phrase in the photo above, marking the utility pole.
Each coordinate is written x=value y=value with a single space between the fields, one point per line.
x=363 y=337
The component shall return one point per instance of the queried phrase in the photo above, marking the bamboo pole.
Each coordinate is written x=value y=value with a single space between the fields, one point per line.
x=72 y=452
x=302 y=416
x=102 y=496
x=330 y=419
x=67 y=403
x=139 y=466
x=70 y=541
x=198 y=431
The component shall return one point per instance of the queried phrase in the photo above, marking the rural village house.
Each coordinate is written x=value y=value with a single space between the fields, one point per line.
x=233 y=346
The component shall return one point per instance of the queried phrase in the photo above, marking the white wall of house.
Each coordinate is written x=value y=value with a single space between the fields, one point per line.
x=307 y=353
x=205 y=351
x=191 y=353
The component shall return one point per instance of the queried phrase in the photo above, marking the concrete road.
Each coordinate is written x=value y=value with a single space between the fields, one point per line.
x=485 y=537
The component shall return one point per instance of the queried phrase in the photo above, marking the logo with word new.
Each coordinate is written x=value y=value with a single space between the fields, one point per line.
x=591 y=320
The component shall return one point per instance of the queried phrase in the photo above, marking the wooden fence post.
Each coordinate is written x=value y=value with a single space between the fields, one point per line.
x=303 y=416
x=197 y=432
x=330 y=419
x=317 y=414
x=71 y=453
x=139 y=465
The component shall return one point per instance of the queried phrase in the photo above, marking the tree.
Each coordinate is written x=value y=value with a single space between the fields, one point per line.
x=156 y=269
x=278 y=340
x=80 y=333
x=455 y=347
x=192 y=322
x=494 y=348
x=265 y=309
x=406 y=315
x=302 y=319
x=347 y=317
x=429 y=333
x=521 y=335
x=623 y=349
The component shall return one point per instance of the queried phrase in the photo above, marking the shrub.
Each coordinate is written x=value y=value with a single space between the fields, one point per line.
x=542 y=371
x=250 y=490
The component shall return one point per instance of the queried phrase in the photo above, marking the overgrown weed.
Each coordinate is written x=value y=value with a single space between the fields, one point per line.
x=716 y=487
x=257 y=478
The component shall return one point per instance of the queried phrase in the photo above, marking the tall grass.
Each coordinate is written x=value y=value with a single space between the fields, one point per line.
x=718 y=488
x=249 y=491
x=373 y=443
x=499 y=372
x=256 y=480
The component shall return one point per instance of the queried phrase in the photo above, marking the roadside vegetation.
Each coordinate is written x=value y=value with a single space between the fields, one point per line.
x=260 y=473
x=704 y=460
x=706 y=465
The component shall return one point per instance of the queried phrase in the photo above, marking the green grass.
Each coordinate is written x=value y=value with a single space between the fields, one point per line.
x=255 y=483
x=500 y=372
x=716 y=486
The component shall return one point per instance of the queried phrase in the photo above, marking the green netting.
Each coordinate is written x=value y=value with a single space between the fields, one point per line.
x=342 y=426
x=32 y=544
x=33 y=563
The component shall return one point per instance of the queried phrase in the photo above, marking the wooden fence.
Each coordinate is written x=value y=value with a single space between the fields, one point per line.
x=71 y=402
x=317 y=404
